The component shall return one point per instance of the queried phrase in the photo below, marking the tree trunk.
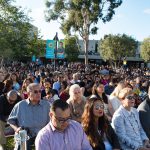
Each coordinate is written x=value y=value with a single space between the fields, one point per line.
x=86 y=27
x=86 y=50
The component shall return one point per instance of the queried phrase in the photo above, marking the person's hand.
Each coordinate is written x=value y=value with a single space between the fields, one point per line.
x=18 y=129
x=143 y=148
x=147 y=143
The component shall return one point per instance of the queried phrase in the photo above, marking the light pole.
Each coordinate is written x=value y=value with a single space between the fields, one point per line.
x=55 y=50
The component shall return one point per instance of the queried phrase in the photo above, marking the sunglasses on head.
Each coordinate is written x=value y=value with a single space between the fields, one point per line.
x=130 y=97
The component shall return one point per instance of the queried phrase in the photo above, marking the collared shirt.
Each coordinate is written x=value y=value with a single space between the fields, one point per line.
x=72 y=138
x=33 y=117
x=128 y=128
x=57 y=86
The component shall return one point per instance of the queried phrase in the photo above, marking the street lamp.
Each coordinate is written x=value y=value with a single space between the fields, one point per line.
x=55 y=50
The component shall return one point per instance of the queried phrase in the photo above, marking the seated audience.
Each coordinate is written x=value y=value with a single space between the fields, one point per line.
x=98 y=129
x=144 y=113
x=31 y=114
x=62 y=133
x=127 y=125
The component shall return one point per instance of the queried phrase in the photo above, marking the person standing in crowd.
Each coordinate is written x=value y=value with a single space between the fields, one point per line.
x=31 y=114
x=14 y=78
x=76 y=102
x=45 y=86
x=126 y=124
x=115 y=101
x=57 y=84
x=109 y=88
x=62 y=133
x=144 y=114
x=75 y=79
x=8 y=85
x=1 y=88
x=2 y=76
x=95 y=124
x=98 y=90
x=51 y=95
x=64 y=93
x=25 y=84
x=7 y=102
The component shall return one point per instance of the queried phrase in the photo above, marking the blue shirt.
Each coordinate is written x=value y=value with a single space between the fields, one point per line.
x=57 y=86
x=33 y=117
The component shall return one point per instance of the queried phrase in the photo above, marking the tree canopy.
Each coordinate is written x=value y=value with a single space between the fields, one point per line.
x=16 y=32
x=81 y=16
x=145 y=49
x=115 y=47
x=71 y=48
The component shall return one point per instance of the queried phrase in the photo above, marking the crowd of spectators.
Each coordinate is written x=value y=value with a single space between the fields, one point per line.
x=76 y=107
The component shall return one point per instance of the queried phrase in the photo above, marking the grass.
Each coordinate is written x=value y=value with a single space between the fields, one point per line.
x=10 y=143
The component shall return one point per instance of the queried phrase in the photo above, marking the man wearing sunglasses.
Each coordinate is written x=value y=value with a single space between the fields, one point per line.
x=61 y=133
x=7 y=103
x=31 y=114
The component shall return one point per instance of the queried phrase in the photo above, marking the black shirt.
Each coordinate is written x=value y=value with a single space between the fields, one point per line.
x=6 y=107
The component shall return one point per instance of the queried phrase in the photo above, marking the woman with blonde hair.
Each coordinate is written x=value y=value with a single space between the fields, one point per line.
x=127 y=125
x=25 y=83
x=114 y=99
x=76 y=102
x=97 y=127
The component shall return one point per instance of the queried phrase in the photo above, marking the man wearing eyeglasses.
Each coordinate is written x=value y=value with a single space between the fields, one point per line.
x=31 y=114
x=7 y=103
x=62 y=133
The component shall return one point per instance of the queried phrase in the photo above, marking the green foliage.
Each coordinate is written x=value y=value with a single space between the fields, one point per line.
x=115 y=47
x=17 y=37
x=145 y=49
x=10 y=143
x=71 y=48
x=81 y=16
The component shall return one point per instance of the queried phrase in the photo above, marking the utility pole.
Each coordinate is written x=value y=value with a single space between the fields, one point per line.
x=55 y=50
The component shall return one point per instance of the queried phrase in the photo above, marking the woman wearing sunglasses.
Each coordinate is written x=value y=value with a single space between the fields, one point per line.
x=97 y=127
x=127 y=125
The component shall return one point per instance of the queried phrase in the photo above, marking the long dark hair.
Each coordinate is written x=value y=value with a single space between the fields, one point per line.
x=89 y=123
x=94 y=91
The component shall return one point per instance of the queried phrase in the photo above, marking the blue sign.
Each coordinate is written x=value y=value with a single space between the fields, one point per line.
x=33 y=58
x=61 y=50
x=50 y=45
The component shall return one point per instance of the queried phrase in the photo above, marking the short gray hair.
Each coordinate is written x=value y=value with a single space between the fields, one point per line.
x=31 y=86
x=12 y=93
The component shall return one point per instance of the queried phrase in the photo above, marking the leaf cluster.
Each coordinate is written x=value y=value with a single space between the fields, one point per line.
x=81 y=15
x=71 y=48
x=115 y=47
x=16 y=32
x=145 y=49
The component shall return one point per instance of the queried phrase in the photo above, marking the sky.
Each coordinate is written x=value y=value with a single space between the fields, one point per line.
x=131 y=18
